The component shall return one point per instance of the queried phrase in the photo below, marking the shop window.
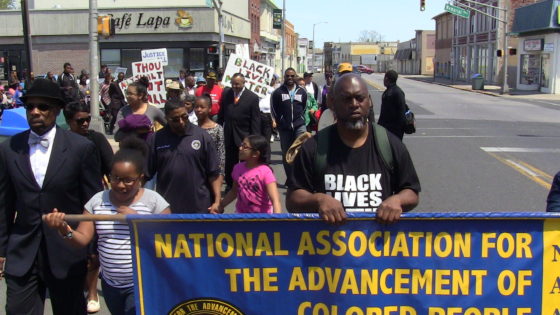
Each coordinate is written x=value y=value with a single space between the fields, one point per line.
x=197 y=59
x=530 y=69
x=174 y=62
x=546 y=66
x=111 y=57
x=128 y=56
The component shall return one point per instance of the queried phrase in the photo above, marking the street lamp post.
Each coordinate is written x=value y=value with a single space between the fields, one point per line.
x=313 y=68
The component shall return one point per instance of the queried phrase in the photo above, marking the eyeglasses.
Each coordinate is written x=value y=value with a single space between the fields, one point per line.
x=127 y=181
x=81 y=121
x=290 y=76
x=243 y=146
x=41 y=106
x=179 y=118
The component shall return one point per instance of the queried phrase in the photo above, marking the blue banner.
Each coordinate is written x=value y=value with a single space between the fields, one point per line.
x=438 y=264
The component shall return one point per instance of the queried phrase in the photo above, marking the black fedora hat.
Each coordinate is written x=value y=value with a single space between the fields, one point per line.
x=46 y=89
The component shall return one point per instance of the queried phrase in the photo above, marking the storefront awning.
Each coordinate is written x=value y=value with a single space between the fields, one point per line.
x=403 y=54
x=538 y=17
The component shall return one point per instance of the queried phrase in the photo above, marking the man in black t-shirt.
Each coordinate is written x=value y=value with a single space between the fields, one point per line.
x=356 y=179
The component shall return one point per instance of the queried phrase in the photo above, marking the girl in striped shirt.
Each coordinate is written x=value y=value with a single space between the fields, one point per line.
x=125 y=197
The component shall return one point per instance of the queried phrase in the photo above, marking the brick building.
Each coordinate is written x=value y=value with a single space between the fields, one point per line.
x=477 y=39
x=444 y=40
x=255 y=19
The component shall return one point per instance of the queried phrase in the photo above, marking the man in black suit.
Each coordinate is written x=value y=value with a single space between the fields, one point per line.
x=393 y=105
x=42 y=169
x=240 y=117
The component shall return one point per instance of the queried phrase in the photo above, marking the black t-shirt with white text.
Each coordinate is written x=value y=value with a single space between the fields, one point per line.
x=357 y=177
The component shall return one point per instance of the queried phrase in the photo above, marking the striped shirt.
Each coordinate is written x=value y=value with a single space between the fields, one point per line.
x=115 y=254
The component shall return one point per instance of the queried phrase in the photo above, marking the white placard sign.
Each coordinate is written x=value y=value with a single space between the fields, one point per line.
x=154 y=71
x=257 y=75
x=155 y=55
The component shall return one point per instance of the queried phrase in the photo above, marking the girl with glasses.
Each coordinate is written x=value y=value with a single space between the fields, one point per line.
x=126 y=196
x=254 y=183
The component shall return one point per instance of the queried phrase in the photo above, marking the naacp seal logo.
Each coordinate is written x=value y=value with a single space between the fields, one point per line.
x=195 y=144
x=206 y=306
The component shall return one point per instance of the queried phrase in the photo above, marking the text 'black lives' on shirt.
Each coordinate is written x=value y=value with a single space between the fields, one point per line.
x=357 y=177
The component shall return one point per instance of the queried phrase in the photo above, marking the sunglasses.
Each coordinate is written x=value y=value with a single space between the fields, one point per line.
x=81 y=121
x=290 y=76
x=179 y=118
x=41 y=106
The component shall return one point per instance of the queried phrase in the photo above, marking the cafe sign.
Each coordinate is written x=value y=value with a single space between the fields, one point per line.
x=533 y=44
x=152 y=21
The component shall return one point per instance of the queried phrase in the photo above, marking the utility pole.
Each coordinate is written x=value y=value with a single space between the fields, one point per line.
x=283 y=35
x=313 y=68
x=96 y=121
x=218 y=6
x=27 y=37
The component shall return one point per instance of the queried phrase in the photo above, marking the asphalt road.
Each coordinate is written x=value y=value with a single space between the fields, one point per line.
x=476 y=152
x=473 y=152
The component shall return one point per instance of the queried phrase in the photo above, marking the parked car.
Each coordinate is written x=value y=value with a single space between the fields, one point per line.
x=365 y=69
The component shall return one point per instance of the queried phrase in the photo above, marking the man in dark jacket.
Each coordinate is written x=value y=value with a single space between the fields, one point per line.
x=42 y=169
x=393 y=105
x=240 y=117
x=68 y=84
x=288 y=107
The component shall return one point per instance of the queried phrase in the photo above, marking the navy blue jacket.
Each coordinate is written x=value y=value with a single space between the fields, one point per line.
x=288 y=113
x=553 y=200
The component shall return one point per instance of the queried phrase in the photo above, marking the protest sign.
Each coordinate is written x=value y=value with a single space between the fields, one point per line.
x=437 y=264
x=155 y=55
x=154 y=71
x=258 y=76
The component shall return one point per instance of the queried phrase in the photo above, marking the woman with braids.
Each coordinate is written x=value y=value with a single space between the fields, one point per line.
x=126 y=196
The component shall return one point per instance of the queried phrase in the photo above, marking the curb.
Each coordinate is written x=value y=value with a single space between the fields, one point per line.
x=457 y=88
x=374 y=85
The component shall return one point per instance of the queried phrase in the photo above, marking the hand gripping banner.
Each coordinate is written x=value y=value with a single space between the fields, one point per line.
x=437 y=264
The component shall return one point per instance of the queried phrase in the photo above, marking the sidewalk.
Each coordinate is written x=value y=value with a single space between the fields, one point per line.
x=493 y=90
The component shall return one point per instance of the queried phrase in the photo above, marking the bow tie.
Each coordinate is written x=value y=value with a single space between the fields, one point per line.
x=34 y=139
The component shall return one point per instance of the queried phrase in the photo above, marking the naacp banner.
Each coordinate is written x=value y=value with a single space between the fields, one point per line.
x=258 y=76
x=437 y=264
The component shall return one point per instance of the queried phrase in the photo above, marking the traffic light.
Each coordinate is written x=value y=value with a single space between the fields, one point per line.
x=212 y=50
x=422 y=5
x=498 y=53
x=105 y=26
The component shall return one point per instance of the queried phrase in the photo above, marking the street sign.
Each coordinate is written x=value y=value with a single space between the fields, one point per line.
x=457 y=11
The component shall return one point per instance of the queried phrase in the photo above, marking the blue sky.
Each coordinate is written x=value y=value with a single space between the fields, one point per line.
x=393 y=19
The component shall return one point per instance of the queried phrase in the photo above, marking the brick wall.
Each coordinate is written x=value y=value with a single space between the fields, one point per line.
x=255 y=19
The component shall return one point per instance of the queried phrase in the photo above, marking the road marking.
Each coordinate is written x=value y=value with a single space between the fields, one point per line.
x=526 y=170
x=374 y=85
x=520 y=150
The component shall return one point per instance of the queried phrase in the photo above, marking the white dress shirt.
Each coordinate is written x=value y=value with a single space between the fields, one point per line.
x=39 y=156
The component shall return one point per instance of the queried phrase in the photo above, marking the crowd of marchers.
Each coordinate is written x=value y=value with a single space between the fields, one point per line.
x=206 y=148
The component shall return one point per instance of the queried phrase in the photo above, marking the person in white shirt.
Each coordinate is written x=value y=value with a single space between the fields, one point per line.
x=41 y=169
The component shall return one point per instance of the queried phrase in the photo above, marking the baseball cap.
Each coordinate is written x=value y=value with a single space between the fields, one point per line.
x=345 y=66
x=307 y=74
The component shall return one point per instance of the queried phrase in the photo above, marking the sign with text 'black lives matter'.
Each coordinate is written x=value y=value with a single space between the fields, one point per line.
x=435 y=264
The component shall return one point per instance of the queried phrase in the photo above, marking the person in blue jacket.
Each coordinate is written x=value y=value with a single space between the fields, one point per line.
x=553 y=200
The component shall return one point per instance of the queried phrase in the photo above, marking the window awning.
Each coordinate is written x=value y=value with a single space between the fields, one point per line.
x=538 y=17
x=403 y=54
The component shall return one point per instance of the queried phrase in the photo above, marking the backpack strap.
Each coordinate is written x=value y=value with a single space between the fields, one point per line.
x=383 y=146
x=323 y=143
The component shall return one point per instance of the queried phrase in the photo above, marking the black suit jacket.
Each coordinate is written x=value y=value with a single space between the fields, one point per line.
x=73 y=176
x=241 y=119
